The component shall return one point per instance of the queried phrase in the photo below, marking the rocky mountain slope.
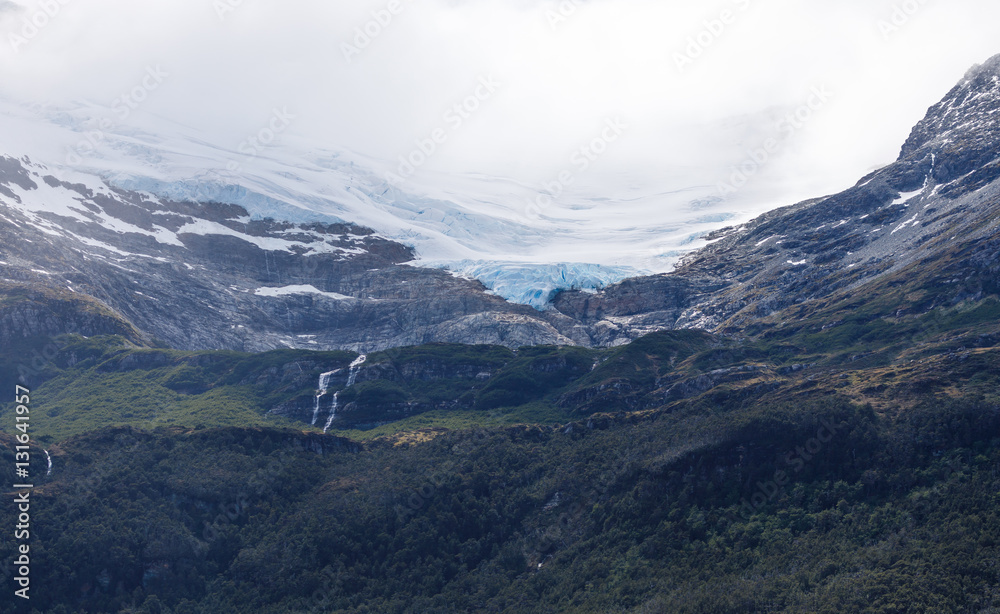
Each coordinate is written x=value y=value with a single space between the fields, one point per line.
x=207 y=276
x=942 y=192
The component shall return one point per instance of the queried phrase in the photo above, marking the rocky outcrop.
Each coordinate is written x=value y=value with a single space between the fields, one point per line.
x=32 y=312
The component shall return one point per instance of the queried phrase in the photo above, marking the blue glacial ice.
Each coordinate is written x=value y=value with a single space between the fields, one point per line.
x=537 y=284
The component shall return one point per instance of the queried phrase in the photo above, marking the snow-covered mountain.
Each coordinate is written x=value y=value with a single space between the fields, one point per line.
x=153 y=236
x=208 y=276
x=524 y=242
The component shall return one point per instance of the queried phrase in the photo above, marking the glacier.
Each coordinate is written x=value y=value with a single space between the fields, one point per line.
x=484 y=227
x=536 y=284
x=209 y=189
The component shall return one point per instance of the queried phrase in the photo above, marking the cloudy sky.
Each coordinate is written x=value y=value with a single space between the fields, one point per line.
x=697 y=88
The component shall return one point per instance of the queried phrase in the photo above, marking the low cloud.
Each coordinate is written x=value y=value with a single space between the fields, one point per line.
x=377 y=76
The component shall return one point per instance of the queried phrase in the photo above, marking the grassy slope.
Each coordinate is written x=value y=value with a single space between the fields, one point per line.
x=107 y=381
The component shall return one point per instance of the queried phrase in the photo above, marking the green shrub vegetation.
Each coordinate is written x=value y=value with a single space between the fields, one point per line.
x=840 y=456
x=680 y=512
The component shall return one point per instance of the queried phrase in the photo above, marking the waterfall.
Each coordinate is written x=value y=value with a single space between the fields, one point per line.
x=49 y=458
x=352 y=377
x=333 y=412
x=355 y=366
x=324 y=382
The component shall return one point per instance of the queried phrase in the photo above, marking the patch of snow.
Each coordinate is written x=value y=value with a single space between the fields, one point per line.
x=912 y=220
x=205 y=227
x=759 y=243
x=99 y=244
x=906 y=197
x=300 y=289
x=59 y=201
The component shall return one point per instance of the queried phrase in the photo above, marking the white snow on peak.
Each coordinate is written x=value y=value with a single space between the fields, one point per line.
x=46 y=199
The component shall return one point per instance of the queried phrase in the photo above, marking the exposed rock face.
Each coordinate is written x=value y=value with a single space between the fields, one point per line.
x=943 y=189
x=27 y=313
x=638 y=306
x=958 y=137
x=362 y=405
x=208 y=277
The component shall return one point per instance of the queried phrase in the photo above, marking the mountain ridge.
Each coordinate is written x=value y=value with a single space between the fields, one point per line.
x=349 y=288
x=943 y=185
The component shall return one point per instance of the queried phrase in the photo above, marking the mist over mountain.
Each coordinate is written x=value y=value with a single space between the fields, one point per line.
x=583 y=159
x=318 y=281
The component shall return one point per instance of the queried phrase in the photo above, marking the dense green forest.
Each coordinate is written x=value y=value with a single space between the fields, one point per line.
x=842 y=458
x=825 y=506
